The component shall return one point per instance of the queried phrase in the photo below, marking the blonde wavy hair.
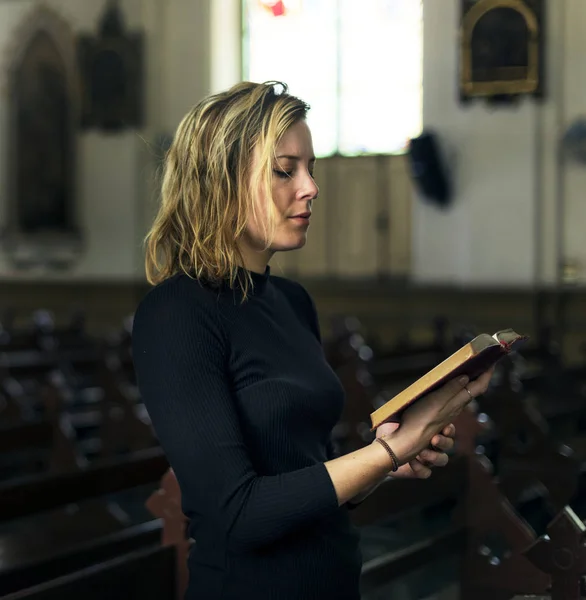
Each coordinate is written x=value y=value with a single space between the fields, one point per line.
x=211 y=185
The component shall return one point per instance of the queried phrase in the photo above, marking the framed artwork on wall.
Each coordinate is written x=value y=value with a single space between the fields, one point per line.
x=42 y=227
x=111 y=67
x=501 y=49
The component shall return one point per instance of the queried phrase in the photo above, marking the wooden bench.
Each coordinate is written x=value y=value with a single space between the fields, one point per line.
x=528 y=458
x=65 y=513
x=68 y=512
x=527 y=564
x=90 y=564
x=102 y=424
x=146 y=574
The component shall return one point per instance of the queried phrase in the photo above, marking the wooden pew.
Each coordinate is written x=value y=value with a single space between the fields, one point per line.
x=389 y=370
x=493 y=567
x=165 y=505
x=352 y=359
x=528 y=458
x=528 y=450
x=528 y=565
x=28 y=495
x=523 y=564
x=64 y=515
x=409 y=505
x=387 y=501
x=46 y=440
x=48 y=499
x=502 y=556
x=42 y=333
x=84 y=427
x=561 y=553
x=397 y=498
x=121 y=429
x=530 y=453
x=354 y=362
x=500 y=559
x=146 y=573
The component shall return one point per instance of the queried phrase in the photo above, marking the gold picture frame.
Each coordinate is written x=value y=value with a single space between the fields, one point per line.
x=500 y=48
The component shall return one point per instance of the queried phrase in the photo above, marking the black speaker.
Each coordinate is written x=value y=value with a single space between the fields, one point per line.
x=428 y=169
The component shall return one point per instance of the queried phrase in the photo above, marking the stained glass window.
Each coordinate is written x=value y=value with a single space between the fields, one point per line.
x=358 y=63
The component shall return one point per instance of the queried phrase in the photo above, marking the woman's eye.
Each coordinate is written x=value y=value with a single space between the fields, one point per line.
x=282 y=174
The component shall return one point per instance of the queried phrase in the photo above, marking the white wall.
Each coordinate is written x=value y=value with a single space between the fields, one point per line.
x=573 y=104
x=193 y=48
x=116 y=178
x=506 y=171
x=107 y=177
x=508 y=181
x=186 y=43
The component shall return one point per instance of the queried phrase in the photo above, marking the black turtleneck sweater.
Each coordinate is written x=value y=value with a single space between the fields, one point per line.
x=243 y=402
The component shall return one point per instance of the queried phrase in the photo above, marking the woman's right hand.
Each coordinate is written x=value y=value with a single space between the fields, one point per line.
x=432 y=413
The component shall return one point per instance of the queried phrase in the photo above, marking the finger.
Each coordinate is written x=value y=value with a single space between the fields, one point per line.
x=449 y=430
x=440 y=442
x=480 y=385
x=454 y=386
x=472 y=390
x=433 y=459
x=419 y=469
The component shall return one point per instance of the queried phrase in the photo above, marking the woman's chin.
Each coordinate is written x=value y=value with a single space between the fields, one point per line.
x=290 y=243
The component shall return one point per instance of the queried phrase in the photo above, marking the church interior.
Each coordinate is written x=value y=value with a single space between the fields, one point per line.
x=450 y=138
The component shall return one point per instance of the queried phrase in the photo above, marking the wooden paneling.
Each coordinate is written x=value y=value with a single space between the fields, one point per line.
x=399 y=211
x=353 y=223
x=361 y=223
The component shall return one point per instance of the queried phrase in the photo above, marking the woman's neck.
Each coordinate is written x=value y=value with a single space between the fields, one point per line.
x=255 y=261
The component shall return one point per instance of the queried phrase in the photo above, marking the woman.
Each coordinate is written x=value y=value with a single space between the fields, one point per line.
x=232 y=372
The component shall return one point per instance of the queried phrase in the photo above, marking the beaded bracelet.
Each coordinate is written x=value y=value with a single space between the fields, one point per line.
x=393 y=456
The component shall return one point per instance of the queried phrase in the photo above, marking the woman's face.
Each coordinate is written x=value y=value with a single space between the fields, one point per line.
x=293 y=190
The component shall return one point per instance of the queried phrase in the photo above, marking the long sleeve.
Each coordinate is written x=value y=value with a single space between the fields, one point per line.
x=332 y=450
x=181 y=360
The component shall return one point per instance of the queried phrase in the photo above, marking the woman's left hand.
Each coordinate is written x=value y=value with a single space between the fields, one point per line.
x=420 y=467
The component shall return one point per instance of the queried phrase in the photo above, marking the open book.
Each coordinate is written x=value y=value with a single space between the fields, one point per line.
x=472 y=360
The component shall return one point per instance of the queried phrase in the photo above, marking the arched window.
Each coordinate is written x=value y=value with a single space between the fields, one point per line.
x=357 y=63
x=42 y=217
x=43 y=149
